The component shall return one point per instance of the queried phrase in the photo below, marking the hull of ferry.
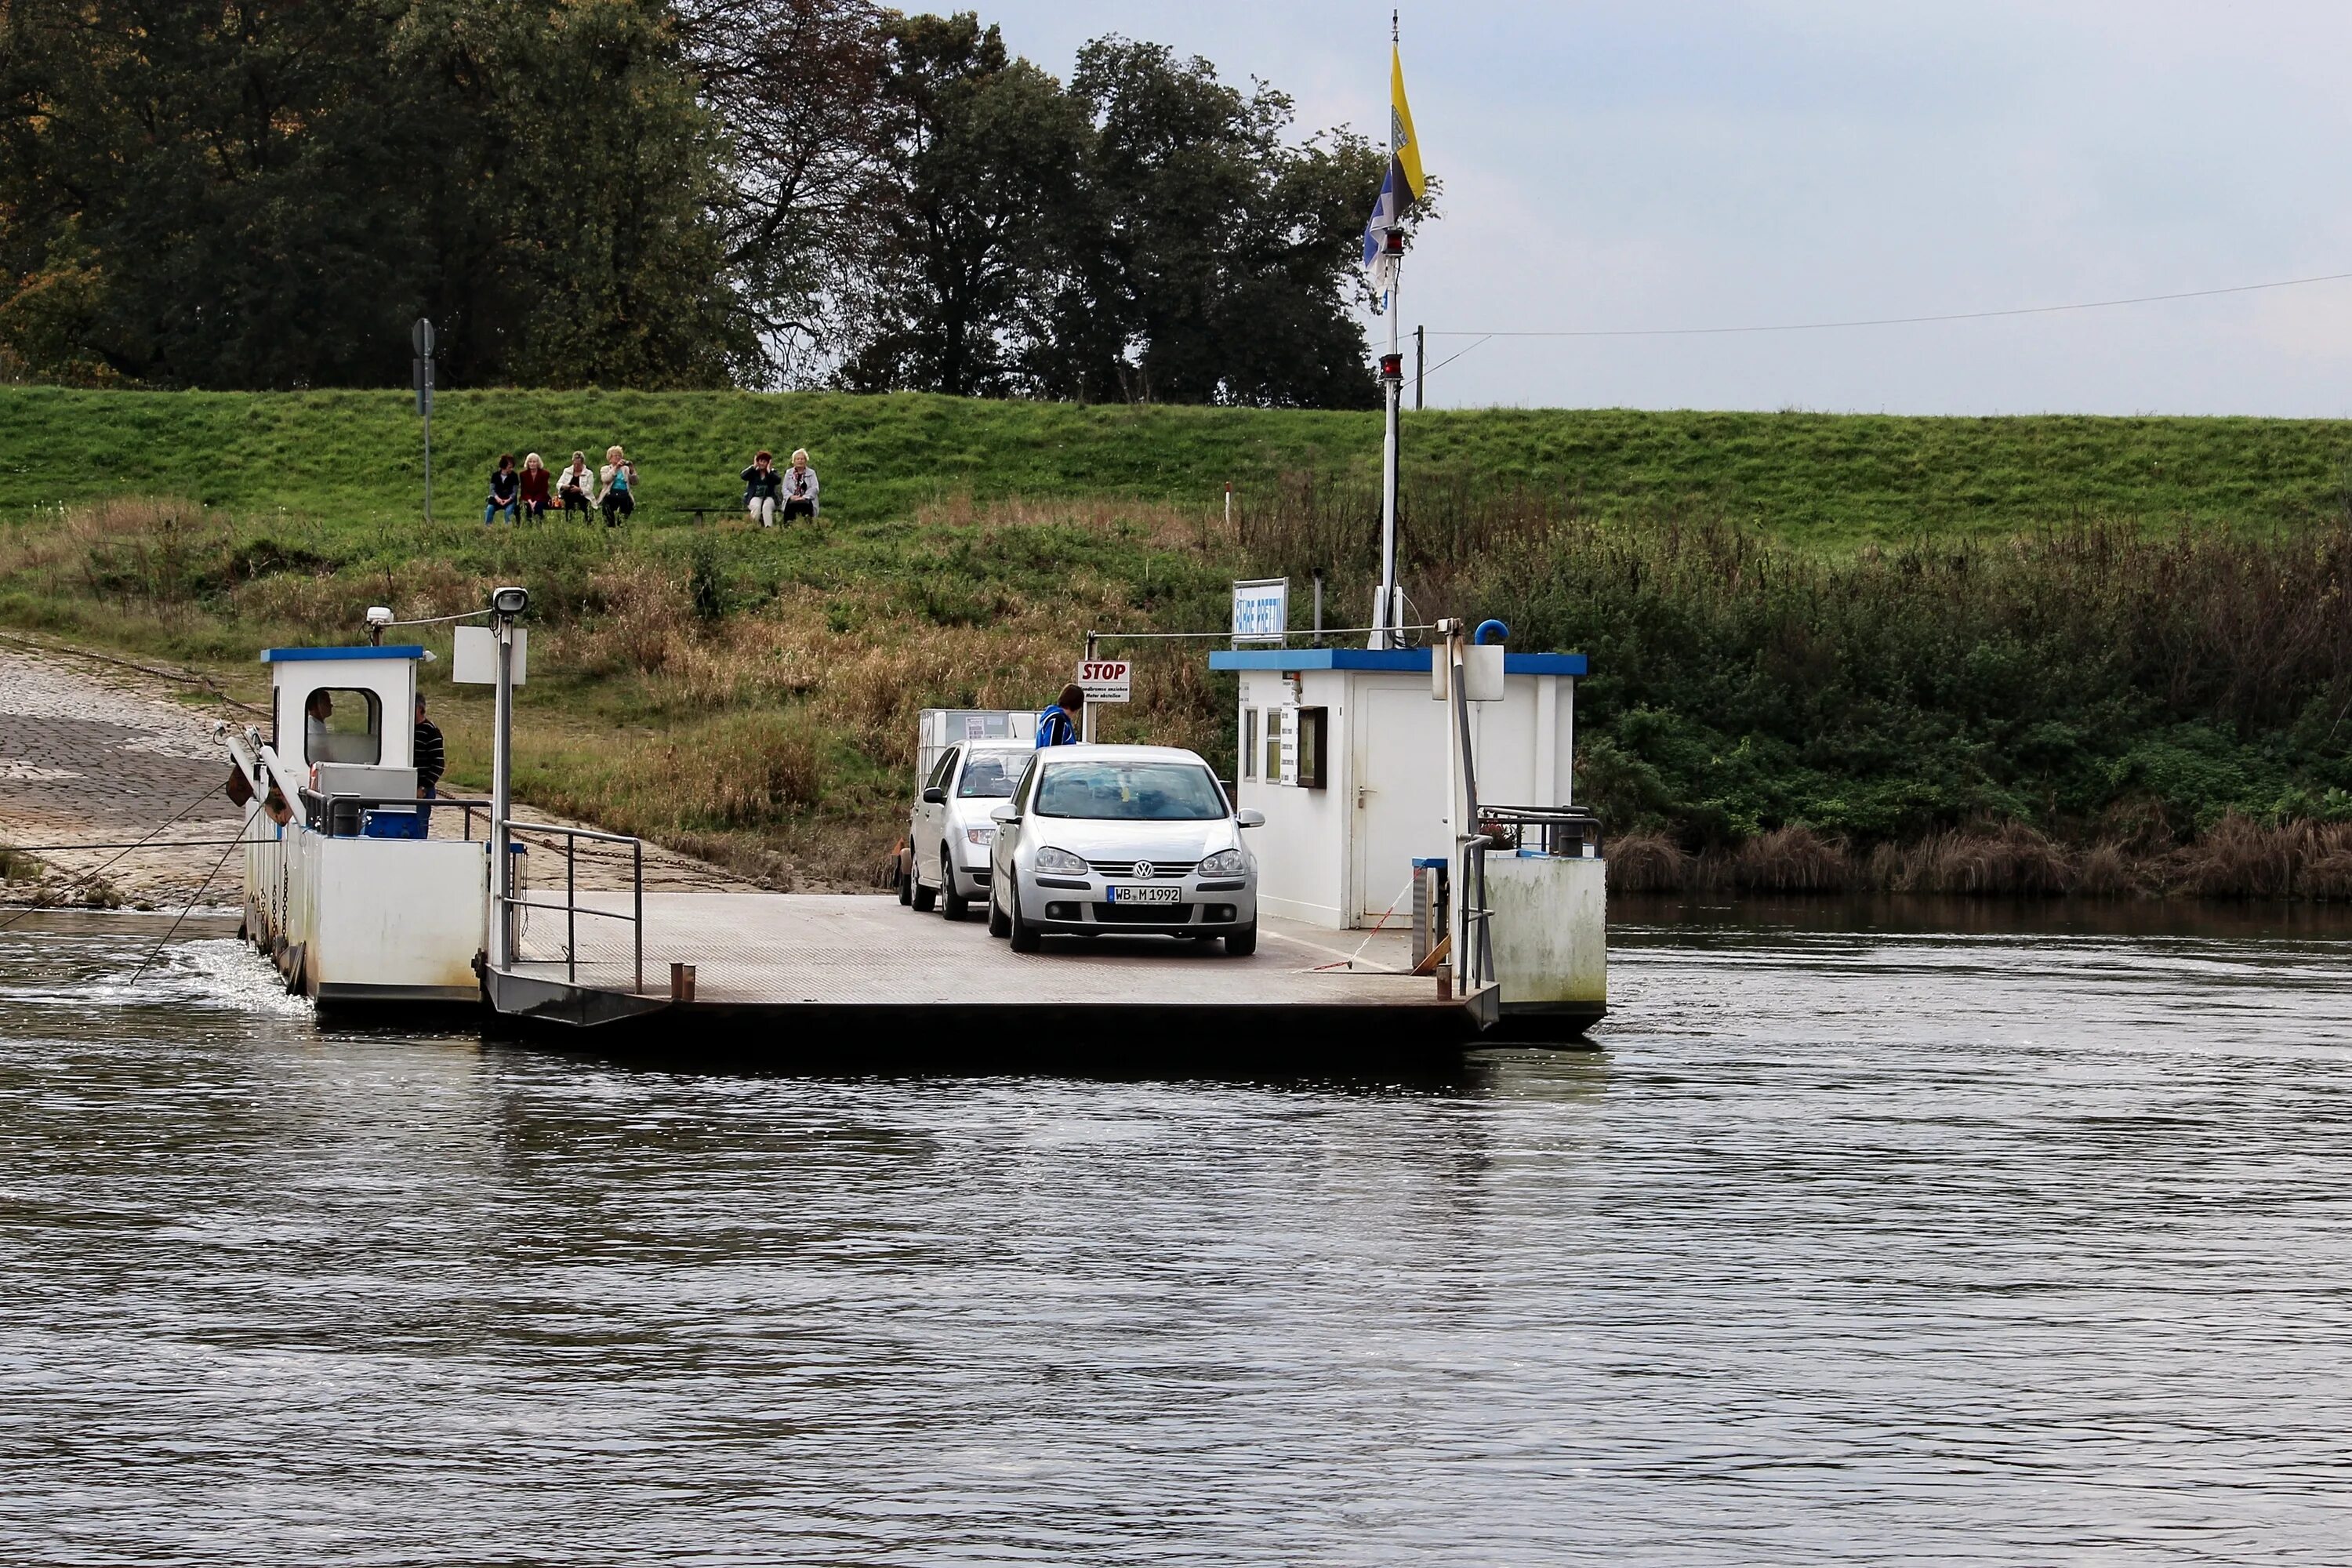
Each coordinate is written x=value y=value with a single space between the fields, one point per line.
x=354 y=919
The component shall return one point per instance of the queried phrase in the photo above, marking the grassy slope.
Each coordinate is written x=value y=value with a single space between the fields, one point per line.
x=1823 y=479
x=2123 y=683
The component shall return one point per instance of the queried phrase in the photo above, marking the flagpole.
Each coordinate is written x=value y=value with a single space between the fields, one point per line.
x=1384 y=619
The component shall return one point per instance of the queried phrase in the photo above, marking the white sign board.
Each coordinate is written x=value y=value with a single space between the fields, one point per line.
x=1285 y=722
x=1107 y=679
x=1261 y=610
x=475 y=660
x=1481 y=674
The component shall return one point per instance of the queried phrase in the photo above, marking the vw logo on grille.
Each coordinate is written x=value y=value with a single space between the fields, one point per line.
x=1143 y=871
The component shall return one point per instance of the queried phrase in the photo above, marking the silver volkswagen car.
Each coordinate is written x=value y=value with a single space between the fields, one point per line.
x=950 y=831
x=1136 y=839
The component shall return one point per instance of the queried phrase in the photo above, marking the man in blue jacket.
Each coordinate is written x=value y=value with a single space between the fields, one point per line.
x=1058 y=725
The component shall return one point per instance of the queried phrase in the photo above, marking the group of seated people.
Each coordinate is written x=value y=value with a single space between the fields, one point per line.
x=770 y=493
x=531 y=492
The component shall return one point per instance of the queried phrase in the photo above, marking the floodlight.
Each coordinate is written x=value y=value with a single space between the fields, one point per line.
x=509 y=601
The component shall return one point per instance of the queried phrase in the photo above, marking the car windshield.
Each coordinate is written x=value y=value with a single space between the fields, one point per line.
x=1130 y=791
x=990 y=778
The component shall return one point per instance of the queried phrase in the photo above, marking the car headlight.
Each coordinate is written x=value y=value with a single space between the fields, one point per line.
x=1225 y=863
x=983 y=837
x=1061 y=862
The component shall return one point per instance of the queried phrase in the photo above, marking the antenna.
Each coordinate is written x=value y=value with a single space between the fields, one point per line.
x=1393 y=26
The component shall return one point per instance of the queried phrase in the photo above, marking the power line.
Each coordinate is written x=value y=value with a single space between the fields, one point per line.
x=1457 y=354
x=1889 y=321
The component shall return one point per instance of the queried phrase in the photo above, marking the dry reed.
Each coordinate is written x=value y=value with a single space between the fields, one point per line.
x=2236 y=858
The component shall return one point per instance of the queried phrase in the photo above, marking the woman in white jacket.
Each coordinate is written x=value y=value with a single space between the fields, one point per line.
x=575 y=487
x=800 y=489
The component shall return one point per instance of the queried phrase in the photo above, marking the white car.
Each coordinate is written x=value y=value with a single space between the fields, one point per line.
x=950 y=831
x=1126 y=839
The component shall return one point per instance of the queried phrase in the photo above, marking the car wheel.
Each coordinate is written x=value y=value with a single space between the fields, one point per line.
x=997 y=924
x=1024 y=935
x=952 y=904
x=924 y=896
x=1242 y=942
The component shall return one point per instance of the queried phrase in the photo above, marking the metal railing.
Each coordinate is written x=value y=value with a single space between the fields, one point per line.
x=1475 y=939
x=1570 y=831
x=331 y=813
x=571 y=909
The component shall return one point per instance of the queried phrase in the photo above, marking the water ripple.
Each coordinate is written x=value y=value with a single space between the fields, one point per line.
x=1852 y=1246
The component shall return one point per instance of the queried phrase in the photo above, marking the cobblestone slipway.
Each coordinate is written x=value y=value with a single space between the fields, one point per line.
x=93 y=753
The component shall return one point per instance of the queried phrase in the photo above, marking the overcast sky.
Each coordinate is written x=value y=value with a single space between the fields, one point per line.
x=1613 y=167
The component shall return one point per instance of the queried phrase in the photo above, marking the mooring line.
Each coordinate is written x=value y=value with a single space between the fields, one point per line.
x=1377 y=926
x=102 y=868
x=188 y=677
x=182 y=915
x=142 y=844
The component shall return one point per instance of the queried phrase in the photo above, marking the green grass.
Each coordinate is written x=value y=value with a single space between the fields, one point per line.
x=1827 y=480
x=2128 y=635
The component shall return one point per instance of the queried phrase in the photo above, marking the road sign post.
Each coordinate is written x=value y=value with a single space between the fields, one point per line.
x=420 y=337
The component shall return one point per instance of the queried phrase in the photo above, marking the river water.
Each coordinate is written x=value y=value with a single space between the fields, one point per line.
x=1861 y=1241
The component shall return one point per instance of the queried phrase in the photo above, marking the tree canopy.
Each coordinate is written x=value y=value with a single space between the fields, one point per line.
x=659 y=192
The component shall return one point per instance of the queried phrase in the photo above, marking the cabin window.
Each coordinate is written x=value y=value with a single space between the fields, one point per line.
x=1273 y=745
x=1249 y=742
x=342 y=724
x=1313 y=730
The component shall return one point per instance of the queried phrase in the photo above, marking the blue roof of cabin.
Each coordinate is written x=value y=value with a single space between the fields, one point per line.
x=1408 y=660
x=302 y=654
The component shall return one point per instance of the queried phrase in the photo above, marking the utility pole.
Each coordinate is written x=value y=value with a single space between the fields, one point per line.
x=420 y=337
x=1420 y=358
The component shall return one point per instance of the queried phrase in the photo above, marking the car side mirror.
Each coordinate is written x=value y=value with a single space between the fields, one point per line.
x=933 y=795
x=1249 y=819
x=1004 y=813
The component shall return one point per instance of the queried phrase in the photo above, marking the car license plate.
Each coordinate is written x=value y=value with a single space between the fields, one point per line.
x=1143 y=895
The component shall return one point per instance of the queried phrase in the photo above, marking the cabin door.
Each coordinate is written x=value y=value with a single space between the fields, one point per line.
x=1400 y=785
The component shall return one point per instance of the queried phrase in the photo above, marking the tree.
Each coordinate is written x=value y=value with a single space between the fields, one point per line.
x=595 y=185
x=263 y=193
x=796 y=89
x=1229 y=255
x=985 y=151
x=659 y=192
x=1146 y=234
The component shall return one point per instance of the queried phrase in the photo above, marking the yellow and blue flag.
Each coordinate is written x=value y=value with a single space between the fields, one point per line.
x=1404 y=150
x=1401 y=186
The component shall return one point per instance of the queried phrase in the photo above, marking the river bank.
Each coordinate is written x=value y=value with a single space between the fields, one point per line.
x=96 y=757
x=2099 y=707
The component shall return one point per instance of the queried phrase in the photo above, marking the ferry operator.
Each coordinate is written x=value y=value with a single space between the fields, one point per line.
x=432 y=761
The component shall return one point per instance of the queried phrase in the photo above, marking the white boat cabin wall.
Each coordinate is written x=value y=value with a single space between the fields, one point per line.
x=347 y=895
x=370 y=698
x=1346 y=753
